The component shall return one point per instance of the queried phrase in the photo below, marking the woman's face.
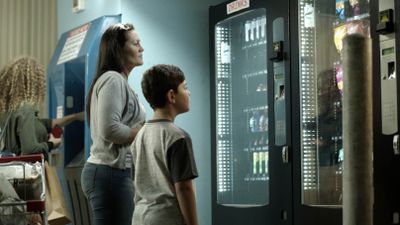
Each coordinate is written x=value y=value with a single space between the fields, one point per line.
x=133 y=51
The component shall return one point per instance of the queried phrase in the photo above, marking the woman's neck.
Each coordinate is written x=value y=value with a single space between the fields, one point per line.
x=126 y=72
x=125 y=75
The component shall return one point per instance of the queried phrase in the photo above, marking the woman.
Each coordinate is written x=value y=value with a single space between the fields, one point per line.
x=22 y=92
x=115 y=116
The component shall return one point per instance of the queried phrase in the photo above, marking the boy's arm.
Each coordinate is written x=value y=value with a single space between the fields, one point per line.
x=187 y=201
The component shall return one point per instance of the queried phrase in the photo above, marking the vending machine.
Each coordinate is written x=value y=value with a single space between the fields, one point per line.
x=250 y=92
x=386 y=113
x=319 y=156
x=70 y=73
x=276 y=109
x=319 y=166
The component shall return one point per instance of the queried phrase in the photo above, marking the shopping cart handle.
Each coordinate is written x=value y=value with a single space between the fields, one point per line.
x=35 y=206
x=24 y=158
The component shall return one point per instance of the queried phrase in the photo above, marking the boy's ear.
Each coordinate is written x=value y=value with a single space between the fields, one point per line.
x=171 y=96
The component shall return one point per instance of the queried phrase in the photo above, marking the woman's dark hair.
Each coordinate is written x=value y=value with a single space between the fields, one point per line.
x=158 y=80
x=110 y=55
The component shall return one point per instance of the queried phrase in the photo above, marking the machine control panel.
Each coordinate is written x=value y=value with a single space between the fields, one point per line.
x=388 y=68
x=388 y=87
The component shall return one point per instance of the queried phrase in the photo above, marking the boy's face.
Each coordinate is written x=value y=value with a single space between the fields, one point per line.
x=182 y=98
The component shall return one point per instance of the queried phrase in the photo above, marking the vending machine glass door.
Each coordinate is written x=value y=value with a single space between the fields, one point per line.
x=322 y=27
x=242 y=110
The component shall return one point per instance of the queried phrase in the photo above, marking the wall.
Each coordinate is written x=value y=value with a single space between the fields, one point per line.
x=177 y=34
x=68 y=20
x=27 y=28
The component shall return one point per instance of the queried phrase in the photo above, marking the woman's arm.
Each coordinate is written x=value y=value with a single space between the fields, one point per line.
x=133 y=133
x=112 y=100
x=68 y=119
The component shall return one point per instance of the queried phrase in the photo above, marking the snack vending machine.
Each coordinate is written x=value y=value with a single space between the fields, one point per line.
x=276 y=109
x=318 y=146
x=323 y=25
x=386 y=133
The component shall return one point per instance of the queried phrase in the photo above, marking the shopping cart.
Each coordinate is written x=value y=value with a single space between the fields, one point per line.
x=25 y=203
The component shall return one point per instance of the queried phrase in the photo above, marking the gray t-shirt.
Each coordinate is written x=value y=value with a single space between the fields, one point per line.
x=114 y=110
x=162 y=155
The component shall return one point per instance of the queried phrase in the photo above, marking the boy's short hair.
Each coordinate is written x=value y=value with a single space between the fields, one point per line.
x=158 y=80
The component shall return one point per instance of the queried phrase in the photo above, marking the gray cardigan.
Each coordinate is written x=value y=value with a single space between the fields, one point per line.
x=114 y=110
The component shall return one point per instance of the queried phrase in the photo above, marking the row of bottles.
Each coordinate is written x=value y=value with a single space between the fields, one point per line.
x=257 y=147
x=258 y=121
x=254 y=32
x=260 y=162
x=255 y=29
x=259 y=166
x=254 y=77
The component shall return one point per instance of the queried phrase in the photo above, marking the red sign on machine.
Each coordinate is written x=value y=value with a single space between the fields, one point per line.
x=237 y=5
x=79 y=30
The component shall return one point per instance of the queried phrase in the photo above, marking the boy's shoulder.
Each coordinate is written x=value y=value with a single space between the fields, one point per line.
x=168 y=128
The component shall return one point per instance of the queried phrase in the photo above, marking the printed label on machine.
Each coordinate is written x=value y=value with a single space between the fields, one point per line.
x=73 y=44
x=60 y=113
x=237 y=5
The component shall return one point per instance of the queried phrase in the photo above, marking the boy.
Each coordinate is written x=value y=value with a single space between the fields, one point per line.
x=163 y=159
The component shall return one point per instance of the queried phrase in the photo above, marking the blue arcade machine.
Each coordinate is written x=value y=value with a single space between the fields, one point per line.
x=70 y=73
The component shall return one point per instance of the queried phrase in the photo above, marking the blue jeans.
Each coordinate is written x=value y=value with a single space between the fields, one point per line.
x=110 y=194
